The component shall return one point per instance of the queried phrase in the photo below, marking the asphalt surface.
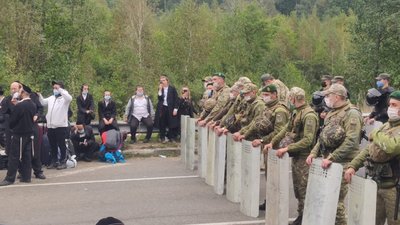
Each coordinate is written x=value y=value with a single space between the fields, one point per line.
x=145 y=191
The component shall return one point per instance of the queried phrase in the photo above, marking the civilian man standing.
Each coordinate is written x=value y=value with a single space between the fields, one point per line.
x=167 y=110
x=57 y=123
x=21 y=126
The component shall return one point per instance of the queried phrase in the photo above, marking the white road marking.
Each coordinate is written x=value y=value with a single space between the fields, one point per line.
x=101 y=181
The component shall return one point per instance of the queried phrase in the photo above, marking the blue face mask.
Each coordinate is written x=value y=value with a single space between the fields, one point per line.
x=56 y=92
x=107 y=97
x=379 y=84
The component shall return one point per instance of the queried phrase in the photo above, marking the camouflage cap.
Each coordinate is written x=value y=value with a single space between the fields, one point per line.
x=244 y=80
x=297 y=93
x=209 y=104
x=384 y=76
x=336 y=78
x=266 y=77
x=332 y=136
x=326 y=77
x=269 y=88
x=207 y=79
x=236 y=87
x=336 y=89
x=395 y=95
x=249 y=87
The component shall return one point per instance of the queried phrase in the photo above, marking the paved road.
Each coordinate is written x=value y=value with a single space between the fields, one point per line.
x=141 y=191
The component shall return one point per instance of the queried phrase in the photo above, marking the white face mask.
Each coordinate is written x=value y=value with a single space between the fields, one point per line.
x=216 y=85
x=84 y=92
x=393 y=113
x=247 y=98
x=328 y=102
x=267 y=99
x=232 y=96
x=15 y=95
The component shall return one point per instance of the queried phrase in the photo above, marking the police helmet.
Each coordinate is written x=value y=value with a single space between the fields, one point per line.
x=317 y=98
x=372 y=97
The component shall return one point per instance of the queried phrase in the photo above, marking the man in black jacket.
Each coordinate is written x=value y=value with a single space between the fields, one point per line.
x=85 y=105
x=22 y=125
x=107 y=113
x=85 y=145
x=167 y=110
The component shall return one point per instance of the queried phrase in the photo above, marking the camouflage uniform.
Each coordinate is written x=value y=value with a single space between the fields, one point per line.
x=383 y=150
x=302 y=128
x=238 y=106
x=209 y=104
x=349 y=118
x=221 y=97
x=205 y=93
x=283 y=91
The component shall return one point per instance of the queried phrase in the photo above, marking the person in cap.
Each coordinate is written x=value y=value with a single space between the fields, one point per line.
x=326 y=82
x=282 y=89
x=340 y=80
x=339 y=139
x=297 y=139
x=109 y=221
x=221 y=96
x=208 y=93
x=21 y=124
x=382 y=159
x=264 y=127
x=255 y=108
x=379 y=113
x=83 y=140
x=57 y=123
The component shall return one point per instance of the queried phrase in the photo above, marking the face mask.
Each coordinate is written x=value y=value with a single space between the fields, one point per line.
x=323 y=84
x=292 y=107
x=84 y=92
x=267 y=99
x=15 y=95
x=379 y=84
x=216 y=86
x=328 y=102
x=393 y=113
x=209 y=93
x=232 y=96
x=139 y=94
x=81 y=131
x=107 y=97
x=56 y=92
x=247 y=98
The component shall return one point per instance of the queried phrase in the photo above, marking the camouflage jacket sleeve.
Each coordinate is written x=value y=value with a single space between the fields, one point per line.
x=281 y=120
x=279 y=136
x=222 y=100
x=310 y=122
x=359 y=160
x=315 y=149
x=222 y=113
x=257 y=112
x=389 y=144
x=230 y=112
x=349 y=147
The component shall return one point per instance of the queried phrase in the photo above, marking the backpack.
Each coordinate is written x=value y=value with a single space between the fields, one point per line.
x=112 y=140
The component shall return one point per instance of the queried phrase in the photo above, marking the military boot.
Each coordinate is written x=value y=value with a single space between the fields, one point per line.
x=298 y=220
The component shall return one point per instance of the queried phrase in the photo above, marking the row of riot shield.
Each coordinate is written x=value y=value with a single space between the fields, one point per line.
x=220 y=156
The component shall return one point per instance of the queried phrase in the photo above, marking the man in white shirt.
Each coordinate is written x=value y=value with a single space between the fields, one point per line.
x=57 y=123
x=139 y=109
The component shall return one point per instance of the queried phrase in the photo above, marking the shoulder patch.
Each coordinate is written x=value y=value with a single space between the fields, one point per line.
x=278 y=118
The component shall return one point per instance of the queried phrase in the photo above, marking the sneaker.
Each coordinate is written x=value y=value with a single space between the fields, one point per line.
x=52 y=165
x=262 y=206
x=40 y=176
x=298 y=220
x=62 y=166
x=5 y=183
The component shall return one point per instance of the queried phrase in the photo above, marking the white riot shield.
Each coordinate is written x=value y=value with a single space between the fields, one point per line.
x=362 y=201
x=277 y=190
x=190 y=139
x=183 y=138
x=210 y=157
x=233 y=169
x=219 y=165
x=322 y=196
x=250 y=187
x=202 y=151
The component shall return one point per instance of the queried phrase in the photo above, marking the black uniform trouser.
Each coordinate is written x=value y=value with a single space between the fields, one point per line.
x=164 y=123
x=86 y=151
x=57 y=138
x=36 y=160
x=20 y=156
x=103 y=127
x=134 y=124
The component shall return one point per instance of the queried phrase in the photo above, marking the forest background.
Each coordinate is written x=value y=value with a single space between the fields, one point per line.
x=118 y=44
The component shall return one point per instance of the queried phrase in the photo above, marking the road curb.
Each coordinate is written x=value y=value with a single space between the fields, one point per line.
x=153 y=152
